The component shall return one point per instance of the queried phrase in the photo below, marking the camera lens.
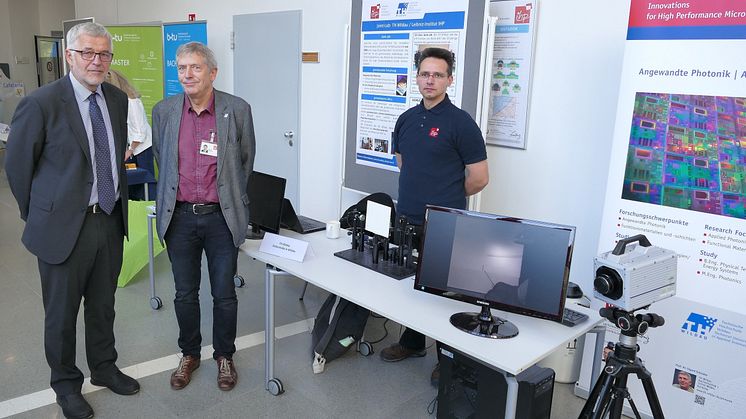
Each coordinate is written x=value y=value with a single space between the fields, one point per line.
x=608 y=283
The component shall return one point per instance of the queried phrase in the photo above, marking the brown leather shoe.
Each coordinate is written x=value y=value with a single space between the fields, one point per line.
x=183 y=374
x=396 y=352
x=227 y=375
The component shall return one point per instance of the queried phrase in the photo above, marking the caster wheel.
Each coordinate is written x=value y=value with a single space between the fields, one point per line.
x=156 y=303
x=274 y=386
x=238 y=281
x=365 y=349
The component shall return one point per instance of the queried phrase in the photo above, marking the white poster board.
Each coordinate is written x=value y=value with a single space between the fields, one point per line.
x=392 y=33
x=513 y=29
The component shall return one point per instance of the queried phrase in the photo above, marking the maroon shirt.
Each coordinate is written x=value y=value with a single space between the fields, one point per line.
x=198 y=173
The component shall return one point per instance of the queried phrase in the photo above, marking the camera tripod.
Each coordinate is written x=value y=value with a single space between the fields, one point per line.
x=608 y=394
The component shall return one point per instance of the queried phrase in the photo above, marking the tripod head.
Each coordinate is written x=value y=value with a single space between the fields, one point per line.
x=631 y=324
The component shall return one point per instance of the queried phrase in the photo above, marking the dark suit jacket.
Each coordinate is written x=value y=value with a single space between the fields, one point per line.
x=49 y=168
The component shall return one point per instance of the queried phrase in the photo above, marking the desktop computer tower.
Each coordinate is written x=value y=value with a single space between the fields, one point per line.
x=469 y=389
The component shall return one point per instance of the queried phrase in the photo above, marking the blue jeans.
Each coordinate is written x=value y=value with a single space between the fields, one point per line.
x=187 y=236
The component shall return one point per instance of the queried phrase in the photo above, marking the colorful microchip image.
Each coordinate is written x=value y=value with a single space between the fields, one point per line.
x=689 y=152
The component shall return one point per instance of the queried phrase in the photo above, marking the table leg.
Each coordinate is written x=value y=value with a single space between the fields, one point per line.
x=511 y=399
x=155 y=301
x=272 y=384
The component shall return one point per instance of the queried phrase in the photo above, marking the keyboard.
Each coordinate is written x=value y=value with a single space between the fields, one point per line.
x=572 y=318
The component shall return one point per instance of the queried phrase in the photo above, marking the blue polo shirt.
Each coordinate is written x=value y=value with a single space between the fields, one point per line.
x=435 y=145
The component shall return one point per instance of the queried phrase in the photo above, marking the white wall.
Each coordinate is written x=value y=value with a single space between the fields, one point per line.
x=323 y=31
x=20 y=20
x=52 y=13
x=561 y=176
x=4 y=32
x=24 y=24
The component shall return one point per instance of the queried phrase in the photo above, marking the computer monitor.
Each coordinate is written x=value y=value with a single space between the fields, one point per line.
x=266 y=193
x=510 y=264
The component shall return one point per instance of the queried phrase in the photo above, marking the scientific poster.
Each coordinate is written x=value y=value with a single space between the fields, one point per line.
x=393 y=33
x=510 y=78
x=677 y=174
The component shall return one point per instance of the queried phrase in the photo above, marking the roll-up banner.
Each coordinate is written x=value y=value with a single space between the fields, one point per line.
x=174 y=35
x=138 y=55
x=677 y=174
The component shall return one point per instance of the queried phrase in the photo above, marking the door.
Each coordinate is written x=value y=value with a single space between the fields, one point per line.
x=267 y=74
x=48 y=59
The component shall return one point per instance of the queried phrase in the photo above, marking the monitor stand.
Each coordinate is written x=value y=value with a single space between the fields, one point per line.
x=255 y=233
x=484 y=324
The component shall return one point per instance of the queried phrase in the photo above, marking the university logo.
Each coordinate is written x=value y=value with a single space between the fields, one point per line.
x=375 y=11
x=116 y=38
x=698 y=325
x=523 y=14
x=401 y=10
x=172 y=37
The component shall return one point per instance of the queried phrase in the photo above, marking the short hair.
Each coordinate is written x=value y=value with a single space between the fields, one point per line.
x=685 y=373
x=87 y=28
x=200 y=49
x=440 y=53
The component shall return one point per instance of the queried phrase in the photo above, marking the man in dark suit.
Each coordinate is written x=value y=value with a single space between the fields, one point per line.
x=65 y=167
x=203 y=141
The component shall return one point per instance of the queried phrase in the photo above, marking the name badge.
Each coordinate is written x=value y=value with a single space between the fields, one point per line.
x=284 y=247
x=208 y=148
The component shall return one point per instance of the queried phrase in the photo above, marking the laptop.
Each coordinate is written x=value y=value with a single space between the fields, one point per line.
x=298 y=223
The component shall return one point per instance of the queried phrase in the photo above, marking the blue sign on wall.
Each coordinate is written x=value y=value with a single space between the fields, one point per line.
x=174 y=35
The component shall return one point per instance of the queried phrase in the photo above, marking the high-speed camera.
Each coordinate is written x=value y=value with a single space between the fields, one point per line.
x=635 y=274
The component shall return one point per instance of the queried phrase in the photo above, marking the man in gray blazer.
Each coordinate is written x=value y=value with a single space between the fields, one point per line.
x=203 y=141
x=65 y=167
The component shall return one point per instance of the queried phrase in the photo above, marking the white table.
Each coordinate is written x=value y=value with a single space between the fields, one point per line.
x=400 y=302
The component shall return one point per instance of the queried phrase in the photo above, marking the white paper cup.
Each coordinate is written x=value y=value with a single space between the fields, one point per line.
x=332 y=229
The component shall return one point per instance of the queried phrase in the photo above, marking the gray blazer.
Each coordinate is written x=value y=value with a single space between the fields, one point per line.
x=236 y=149
x=48 y=163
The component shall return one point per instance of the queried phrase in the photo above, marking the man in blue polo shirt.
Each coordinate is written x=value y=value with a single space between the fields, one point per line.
x=442 y=160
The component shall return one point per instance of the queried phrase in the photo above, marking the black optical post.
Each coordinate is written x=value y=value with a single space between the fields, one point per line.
x=375 y=253
x=610 y=391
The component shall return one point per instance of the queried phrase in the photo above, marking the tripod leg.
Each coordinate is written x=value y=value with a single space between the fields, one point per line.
x=620 y=394
x=647 y=384
x=595 y=408
x=593 y=396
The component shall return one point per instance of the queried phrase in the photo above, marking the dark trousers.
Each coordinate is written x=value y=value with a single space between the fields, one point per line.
x=90 y=274
x=188 y=235
x=412 y=339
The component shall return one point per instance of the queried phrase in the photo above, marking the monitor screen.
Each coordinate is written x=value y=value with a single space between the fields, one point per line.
x=511 y=264
x=266 y=193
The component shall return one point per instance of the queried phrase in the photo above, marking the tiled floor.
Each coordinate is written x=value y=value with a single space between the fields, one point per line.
x=351 y=387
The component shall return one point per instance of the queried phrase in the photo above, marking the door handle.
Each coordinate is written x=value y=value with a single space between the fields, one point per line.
x=289 y=134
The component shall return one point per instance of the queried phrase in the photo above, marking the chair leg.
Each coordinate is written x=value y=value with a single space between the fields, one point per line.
x=303 y=294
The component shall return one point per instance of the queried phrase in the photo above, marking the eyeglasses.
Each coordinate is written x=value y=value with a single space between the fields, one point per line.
x=89 y=55
x=437 y=76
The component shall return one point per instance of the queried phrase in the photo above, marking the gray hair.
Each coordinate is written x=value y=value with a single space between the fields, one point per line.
x=88 y=28
x=199 y=49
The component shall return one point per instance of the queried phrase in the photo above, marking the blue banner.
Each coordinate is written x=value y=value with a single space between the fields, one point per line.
x=431 y=21
x=388 y=70
x=376 y=36
x=174 y=35
x=379 y=98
